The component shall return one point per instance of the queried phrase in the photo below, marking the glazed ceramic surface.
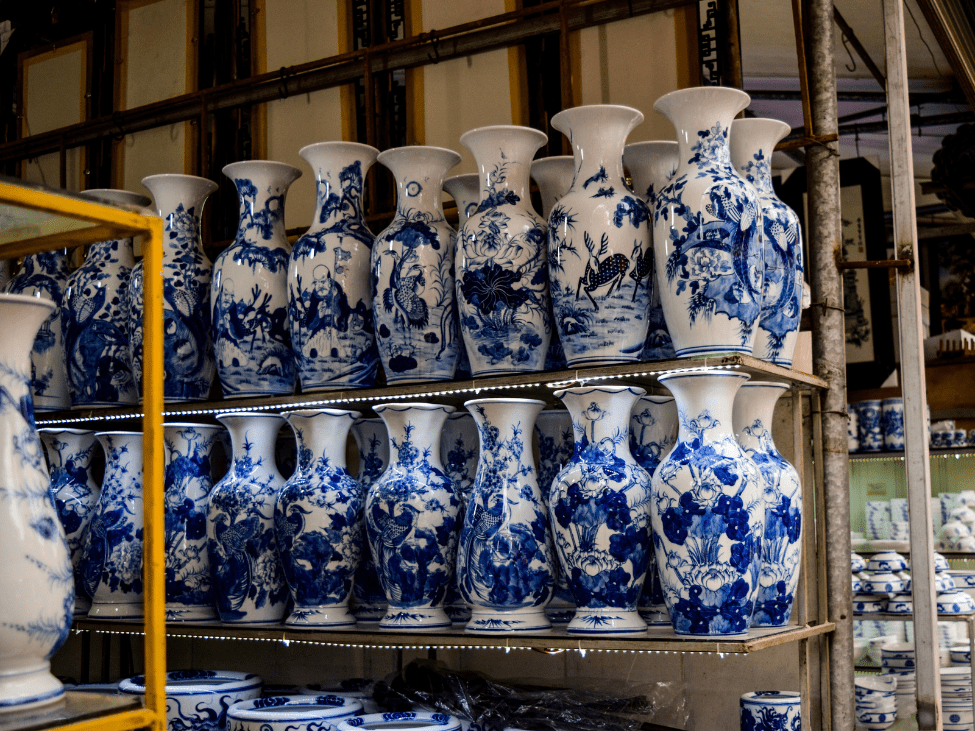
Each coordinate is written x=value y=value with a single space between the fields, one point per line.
x=36 y=581
x=413 y=272
x=249 y=292
x=599 y=253
x=870 y=425
x=397 y=721
x=373 y=444
x=291 y=713
x=411 y=518
x=892 y=422
x=318 y=521
x=771 y=710
x=554 y=178
x=852 y=429
x=707 y=230
x=248 y=581
x=708 y=516
x=466 y=192
x=329 y=297
x=198 y=700
x=600 y=510
x=459 y=455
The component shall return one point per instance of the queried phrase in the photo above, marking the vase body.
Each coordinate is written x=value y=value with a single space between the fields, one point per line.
x=651 y=166
x=600 y=509
x=112 y=556
x=466 y=192
x=505 y=555
x=45 y=275
x=188 y=348
x=189 y=589
x=653 y=432
x=329 y=297
x=708 y=515
x=248 y=582
x=36 y=582
x=752 y=142
x=249 y=292
x=413 y=272
x=318 y=521
x=373 y=444
x=458 y=453
x=782 y=499
x=75 y=492
x=892 y=417
x=707 y=230
x=599 y=249
x=411 y=519
x=870 y=425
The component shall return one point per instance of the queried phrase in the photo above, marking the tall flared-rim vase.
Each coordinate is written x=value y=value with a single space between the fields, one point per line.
x=318 y=520
x=411 y=519
x=708 y=514
x=752 y=143
x=466 y=191
x=329 y=287
x=36 y=581
x=249 y=291
x=502 y=290
x=504 y=562
x=459 y=456
x=554 y=178
x=599 y=253
x=600 y=510
x=414 y=304
x=707 y=230
x=782 y=540
x=369 y=603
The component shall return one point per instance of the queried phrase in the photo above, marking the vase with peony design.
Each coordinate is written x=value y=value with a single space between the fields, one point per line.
x=369 y=599
x=458 y=453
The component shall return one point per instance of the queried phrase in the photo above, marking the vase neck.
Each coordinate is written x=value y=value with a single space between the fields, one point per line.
x=179 y=202
x=120 y=249
x=601 y=418
x=340 y=171
x=753 y=413
x=503 y=156
x=554 y=178
x=506 y=424
x=321 y=438
x=704 y=403
x=419 y=173
x=651 y=165
x=121 y=450
x=752 y=143
x=23 y=316
x=414 y=434
x=64 y=447
x=261 y=188
x=253 y=438
x=598 y=134
x=702 y=119
x=52 y=263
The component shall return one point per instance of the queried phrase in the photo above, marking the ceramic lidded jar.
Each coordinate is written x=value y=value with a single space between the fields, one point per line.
x=599 y=251
x=249 y=292
x=411 y=519
x=752 y=142
x=466 y=192
x=458 y=453
x=772 y=709
x=707 y=230
x=369 y=599
x=413 y=272
x=329 y=289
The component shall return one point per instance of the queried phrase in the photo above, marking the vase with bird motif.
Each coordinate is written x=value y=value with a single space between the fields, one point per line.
x=600 y=509
x=36 y=580
x=318 y=521
x=458 y=453
x=111 y=561
x=189 y=589
x=369 y=599
x=752 y=142
x=707 y=230
x=599 y=253
x=69 y=457
x=413 y=272
x=248 y=581
x=249 y=291
x=411 y=519
x=329 y=287
x=504 y=559
x=95 y=317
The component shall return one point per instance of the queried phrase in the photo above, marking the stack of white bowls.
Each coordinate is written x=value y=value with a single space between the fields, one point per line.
x=898 y=660
x=876 y=706
x=956 y=698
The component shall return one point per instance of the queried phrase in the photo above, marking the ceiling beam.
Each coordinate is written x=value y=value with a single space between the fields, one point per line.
x=917 y=97
x=952 y=26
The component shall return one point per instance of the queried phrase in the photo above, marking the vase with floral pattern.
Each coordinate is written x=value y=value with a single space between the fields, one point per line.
x=458 y=453
x=369 y=599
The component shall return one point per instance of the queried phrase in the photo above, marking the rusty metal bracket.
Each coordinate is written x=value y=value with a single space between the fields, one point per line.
x=902 y=264
x=285 y=72
x=435 y=44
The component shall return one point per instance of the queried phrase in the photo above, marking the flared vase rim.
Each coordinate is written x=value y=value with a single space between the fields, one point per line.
x=65 y=430
x=271 y=164
x=650 y=144
x=204 y=182
x=553 y=158
x=336 y=145
x=379 y=408
x=638 y=116
x=118 y=433
x=249 y=414
x=501 y=400
x=192 y=425
x=767 y=384
x=28 y=299
x=656 y=398
x=729 y=92
x=610 y=390
x=540 y=136
x=368 y=420
x=395 y=153
x=771 y=123
x=664 y=377
x=462 y=177
x=312 y=413
x=143 y=201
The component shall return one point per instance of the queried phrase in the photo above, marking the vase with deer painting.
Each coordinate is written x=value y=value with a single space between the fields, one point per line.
x=599 y=254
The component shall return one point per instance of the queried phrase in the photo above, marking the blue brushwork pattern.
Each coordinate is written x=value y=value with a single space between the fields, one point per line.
x=367 y=591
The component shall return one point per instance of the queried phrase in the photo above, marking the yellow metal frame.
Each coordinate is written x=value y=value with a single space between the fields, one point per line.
x=108 y=223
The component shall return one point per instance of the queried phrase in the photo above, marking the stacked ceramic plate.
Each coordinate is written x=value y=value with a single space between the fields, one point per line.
x=876 y=706
x=898 y=660
x=956 y=698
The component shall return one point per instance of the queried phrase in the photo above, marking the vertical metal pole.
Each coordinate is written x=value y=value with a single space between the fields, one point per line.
x=912 y=372
x=829 y=354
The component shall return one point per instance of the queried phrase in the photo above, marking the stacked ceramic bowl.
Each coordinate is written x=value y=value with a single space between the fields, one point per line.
x=956 y=698
x=291 y=713
x=876 y=706
x=883 y=580
x=898 y=660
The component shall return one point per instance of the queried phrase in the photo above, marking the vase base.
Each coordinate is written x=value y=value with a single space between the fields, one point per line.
x=332 y=386
x=103 y=404
x=193 y=613
x=51 y=405
x=409 y=619
x=369 y=613
x=459 y=615
x=561 y=616
x=254 y=623
x=412 y=380
x=81 y=606
x=108 y=610
x=712 y=350
x=488 y=622
x=31 y=689
x=606 y=621
x=325 y=615
x=603 y=361
x=257 y=393
x=655 y=615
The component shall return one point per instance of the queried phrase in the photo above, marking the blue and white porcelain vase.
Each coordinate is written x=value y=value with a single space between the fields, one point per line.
x=504 y=560
x=708 y=514
x=772 y=710
x=249 y=292
x=189 y=589
x=458 y=453
x=95 y=318
x=466 y=192
x=599 y=251
x=782 y=498
x=318 y=521
x=292 y=713
x=69 y=457
x=36 y=581
x=600 y=509
x=653 y=432
x=651 y=166
x=871 y=425
x=411 y=519
x=369 y=599
x=707 y=230
x=329 y=287
x=111 y=561
x=502 y=288
x=752 y=142
x=413 y=272
x=188 y=349
x=892 y=417
x=248 y=581
x=553 y=431
x=45 y=275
